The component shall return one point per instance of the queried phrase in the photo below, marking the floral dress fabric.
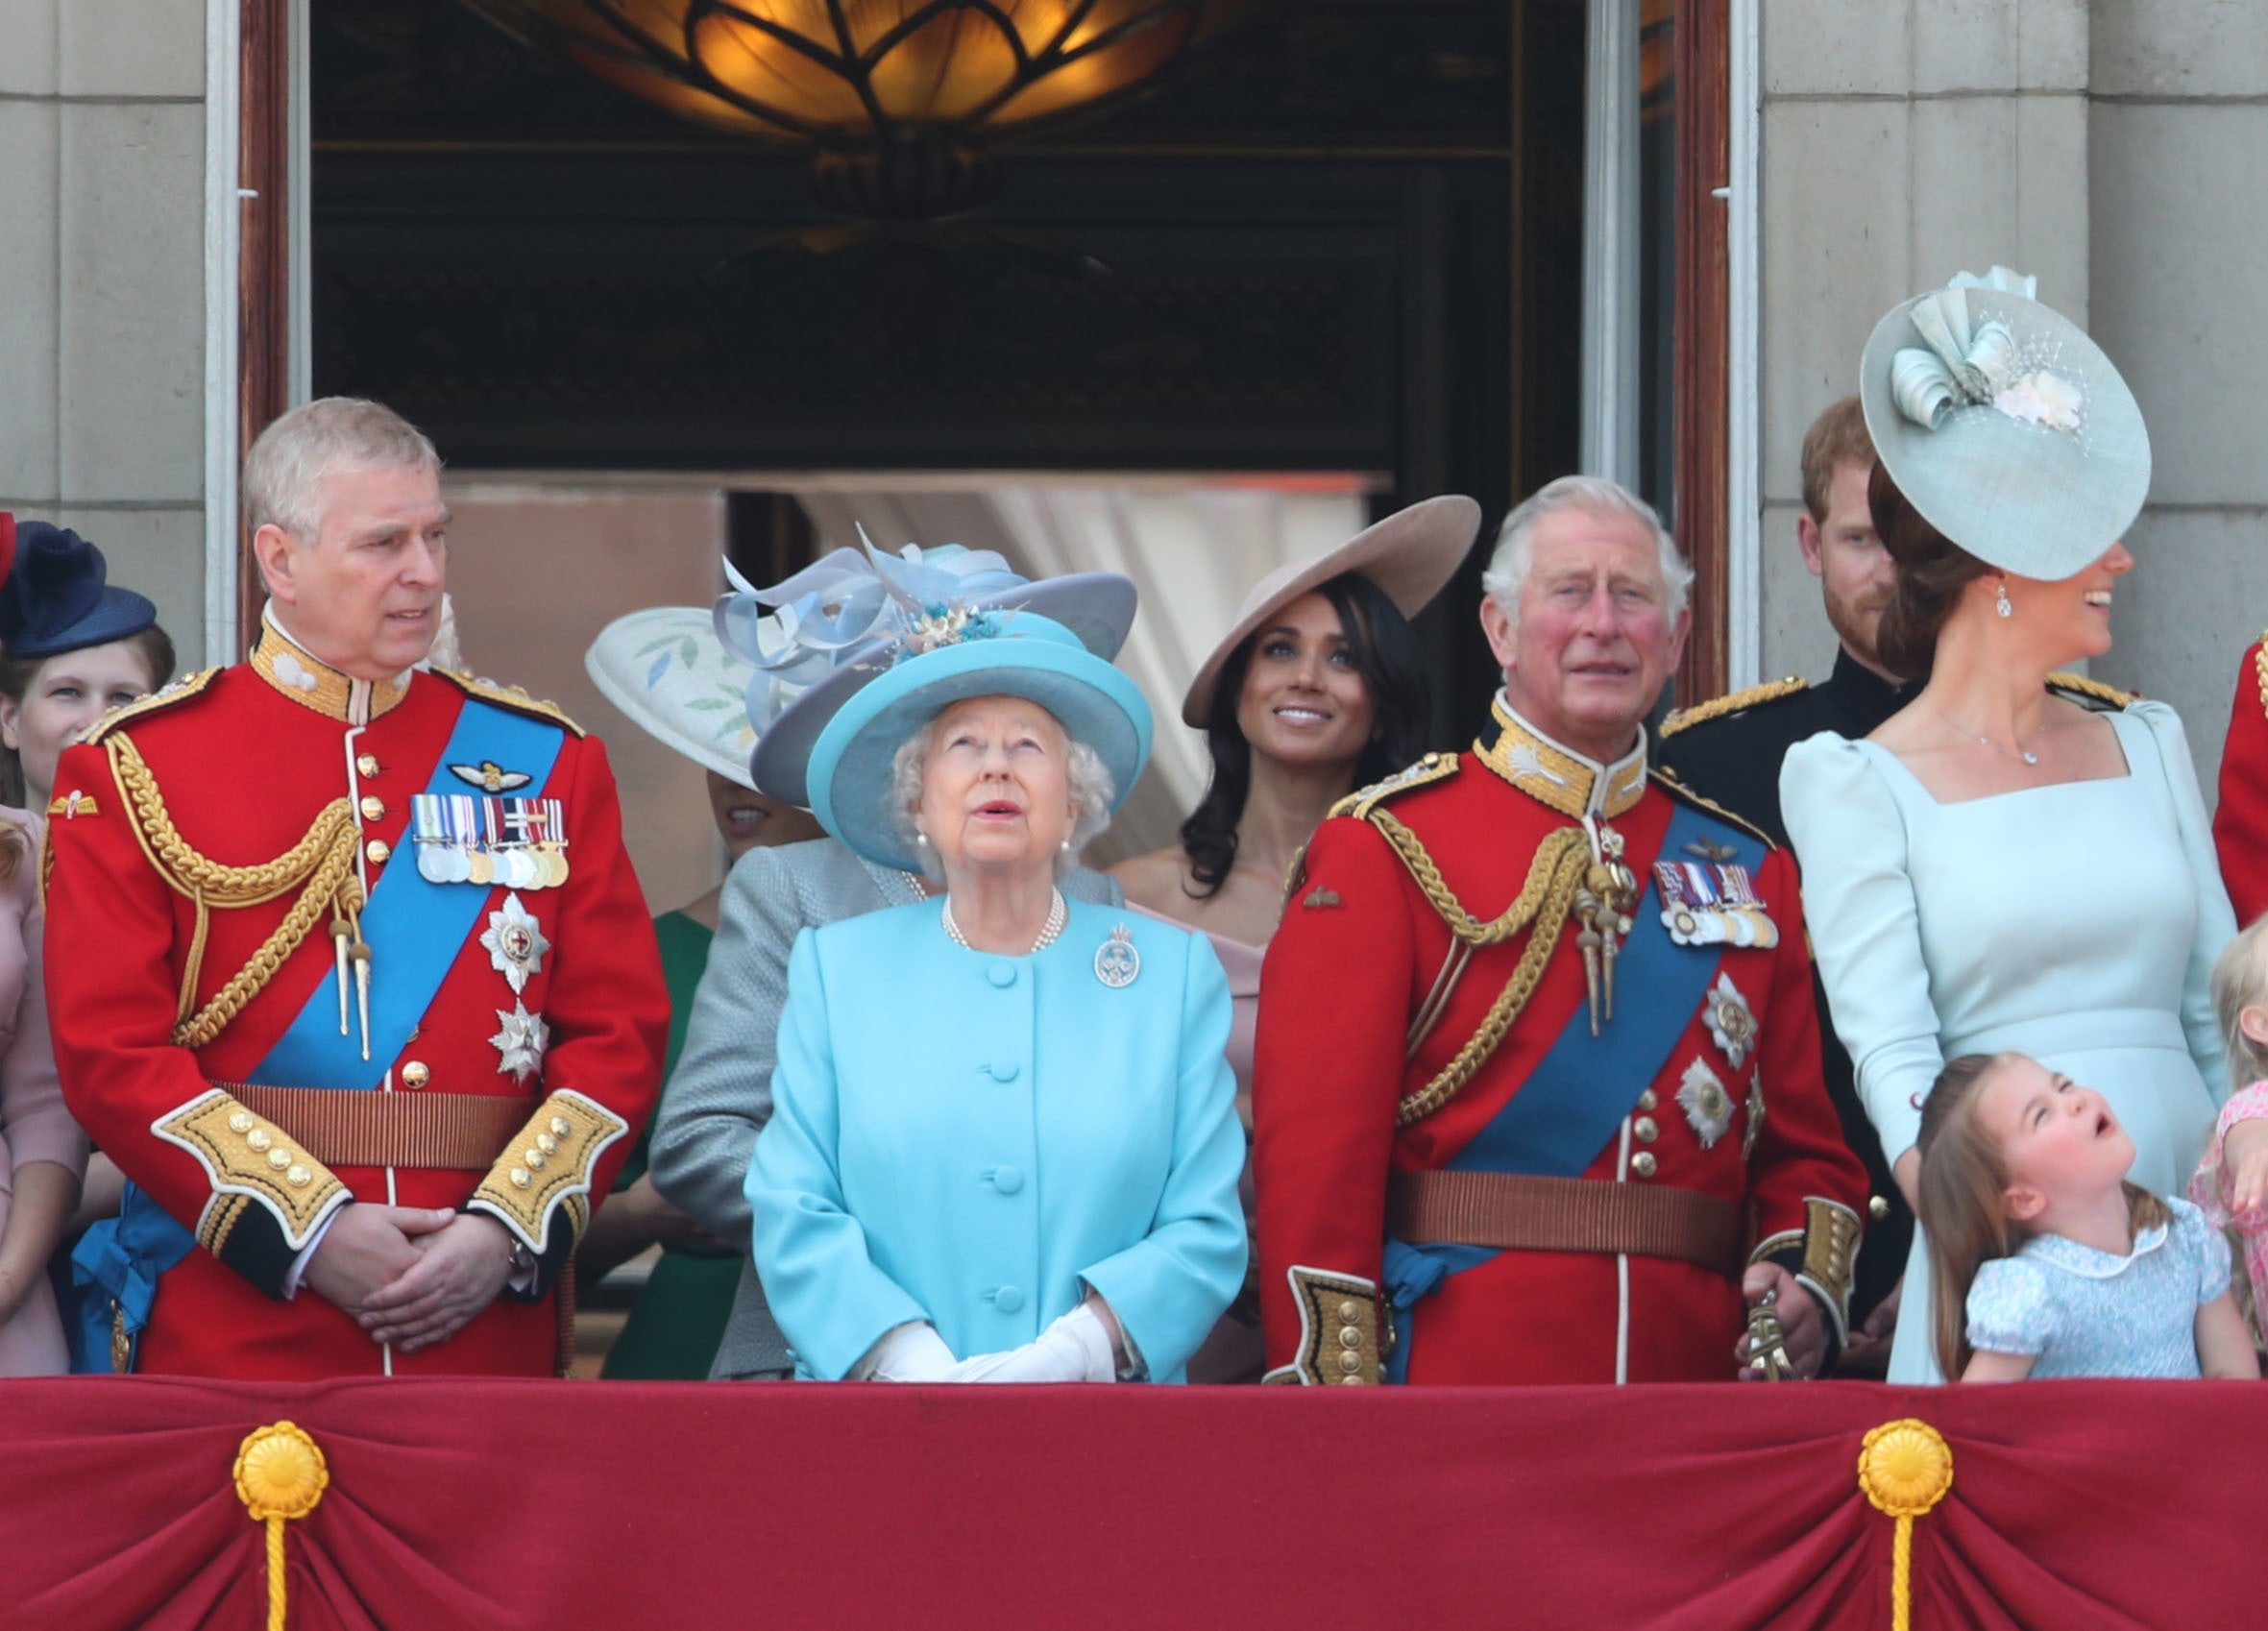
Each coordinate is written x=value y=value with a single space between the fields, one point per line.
x=2089 y=1313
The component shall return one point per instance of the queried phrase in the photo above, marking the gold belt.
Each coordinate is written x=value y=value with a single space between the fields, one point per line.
x=340 y=1127
x=1526 y=1213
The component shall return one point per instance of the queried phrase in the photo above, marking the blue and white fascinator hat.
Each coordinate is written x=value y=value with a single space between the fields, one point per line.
x=949 y=657
x=2005 y=426
x=841 y=622
x=667 y=670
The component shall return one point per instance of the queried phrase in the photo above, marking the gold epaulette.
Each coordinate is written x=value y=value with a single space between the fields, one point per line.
x=1667 y=780
x=1433 y=767
x=180 y=690
x=2078 y=688
x=512 y=698
x=1770 y=690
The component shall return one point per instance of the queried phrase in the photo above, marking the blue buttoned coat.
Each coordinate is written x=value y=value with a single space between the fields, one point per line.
x=976 y=1140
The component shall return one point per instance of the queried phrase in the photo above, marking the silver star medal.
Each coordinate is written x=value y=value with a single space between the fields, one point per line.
x=516 y=944
x=1731 y=1020
x=521 y=1042
x=1117 y=962
x=1708 y=1107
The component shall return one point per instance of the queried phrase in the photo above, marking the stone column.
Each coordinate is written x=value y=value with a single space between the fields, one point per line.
x=102 y=286
x=1903 y=140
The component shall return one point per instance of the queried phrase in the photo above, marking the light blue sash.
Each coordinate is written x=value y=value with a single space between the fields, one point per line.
x=414 y=926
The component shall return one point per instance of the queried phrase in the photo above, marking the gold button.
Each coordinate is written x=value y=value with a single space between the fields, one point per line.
x=1349 y=1309
x=1350 y=1382
x=533 y=1157
x=415 y=1074
x=279 y=1158
x=520 y=1178
x=560 y=1127
x=1349 y=1337
x=240 y=1122
x=372 y=807
x=299 y=1177
x=378 y=851
x=1642 y=1163
x=366 y=765
x=548 y=1144
x=1350 y=1362
x=1878 y=1208
x=259 y=1138
x=1646 y=1099
x=1645 y=1131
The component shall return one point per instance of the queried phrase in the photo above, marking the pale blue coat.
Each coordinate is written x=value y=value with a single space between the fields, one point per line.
x=976 y=1140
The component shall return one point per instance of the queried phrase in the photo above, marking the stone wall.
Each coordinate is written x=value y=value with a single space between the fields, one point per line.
x=102 y=286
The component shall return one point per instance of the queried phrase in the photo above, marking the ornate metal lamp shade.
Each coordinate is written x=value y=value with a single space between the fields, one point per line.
x=899 y=96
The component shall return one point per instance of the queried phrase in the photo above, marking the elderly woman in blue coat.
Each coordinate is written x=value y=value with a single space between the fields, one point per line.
x=1003 y=1146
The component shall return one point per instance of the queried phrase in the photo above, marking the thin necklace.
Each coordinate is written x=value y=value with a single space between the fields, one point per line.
x=2024 y=754
x=1058 y=913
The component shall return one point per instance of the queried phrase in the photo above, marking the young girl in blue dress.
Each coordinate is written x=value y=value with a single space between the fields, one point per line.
x=2049 y=1262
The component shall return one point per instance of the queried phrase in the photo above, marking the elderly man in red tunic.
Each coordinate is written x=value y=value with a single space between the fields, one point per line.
x=1537 y=1091
x=348 y=969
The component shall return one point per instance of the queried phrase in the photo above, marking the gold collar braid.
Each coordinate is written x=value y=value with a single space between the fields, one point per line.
x=321 y=866
x=1541 y=908
x=1558 y=777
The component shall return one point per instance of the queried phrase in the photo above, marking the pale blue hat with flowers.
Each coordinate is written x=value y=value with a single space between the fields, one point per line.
x=949 y=657
x=2004 y=427
x=837 y=625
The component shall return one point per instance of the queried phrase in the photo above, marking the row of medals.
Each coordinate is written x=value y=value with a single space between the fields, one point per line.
x=520 y=866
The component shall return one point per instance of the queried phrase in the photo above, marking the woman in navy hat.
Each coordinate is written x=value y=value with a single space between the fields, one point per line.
x=1003 y=1146
x=72 y=647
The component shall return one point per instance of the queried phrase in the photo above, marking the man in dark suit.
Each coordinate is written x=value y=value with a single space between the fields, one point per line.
x=1730 y=750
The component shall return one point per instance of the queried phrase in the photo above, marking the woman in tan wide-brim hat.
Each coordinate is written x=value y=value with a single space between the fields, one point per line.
x=1317 y=689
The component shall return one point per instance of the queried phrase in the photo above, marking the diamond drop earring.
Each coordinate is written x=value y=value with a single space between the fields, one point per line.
x=2000 y=603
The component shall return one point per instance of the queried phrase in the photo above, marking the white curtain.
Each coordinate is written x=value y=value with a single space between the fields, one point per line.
x=1193 y=553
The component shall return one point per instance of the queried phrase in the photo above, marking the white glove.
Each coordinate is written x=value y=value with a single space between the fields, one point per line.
x=1075 y=1349
x=910 y=1353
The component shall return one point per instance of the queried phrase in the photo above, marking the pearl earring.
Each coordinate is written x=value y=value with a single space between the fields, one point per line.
x=2000 y=602
x=920 y=841
x=1067 y=847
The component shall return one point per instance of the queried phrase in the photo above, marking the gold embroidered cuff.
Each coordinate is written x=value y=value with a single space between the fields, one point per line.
x=248 y=1156
x=1830 y=1257
x=548 y=1166
x=1339 y=1332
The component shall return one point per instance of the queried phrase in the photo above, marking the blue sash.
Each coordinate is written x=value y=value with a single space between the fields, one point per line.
x=408 y=918
x=1572 y=1104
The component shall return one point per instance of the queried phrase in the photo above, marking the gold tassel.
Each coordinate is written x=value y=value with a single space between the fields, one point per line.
x=1905 y=1468
x=279 y=1476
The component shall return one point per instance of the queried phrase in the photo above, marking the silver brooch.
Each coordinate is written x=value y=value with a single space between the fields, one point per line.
x=1117 y=962
x=1731 y=1020
x=1708 y=1107
x=516 y=944
x=521 y=1042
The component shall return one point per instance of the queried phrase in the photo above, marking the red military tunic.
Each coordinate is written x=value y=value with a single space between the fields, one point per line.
x=1361 y=954
x=2240 y=825
x=233 y=770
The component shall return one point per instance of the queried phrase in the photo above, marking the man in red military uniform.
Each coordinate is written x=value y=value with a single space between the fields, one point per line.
x=2240 y=823
x=1537 y=1092
x=348 y=969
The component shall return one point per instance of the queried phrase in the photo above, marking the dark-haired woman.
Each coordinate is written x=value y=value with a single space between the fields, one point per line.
x=1997 y=868
x=1318 y=689
x=72 y=648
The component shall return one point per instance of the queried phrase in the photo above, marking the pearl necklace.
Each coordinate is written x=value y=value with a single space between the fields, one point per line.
x=1058 y=915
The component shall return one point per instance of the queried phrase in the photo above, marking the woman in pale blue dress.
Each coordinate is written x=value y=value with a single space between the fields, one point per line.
x=1998 y=868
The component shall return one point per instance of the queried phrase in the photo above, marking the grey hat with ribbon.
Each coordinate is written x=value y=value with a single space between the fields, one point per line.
x=2004 y=427
x=837 y=625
